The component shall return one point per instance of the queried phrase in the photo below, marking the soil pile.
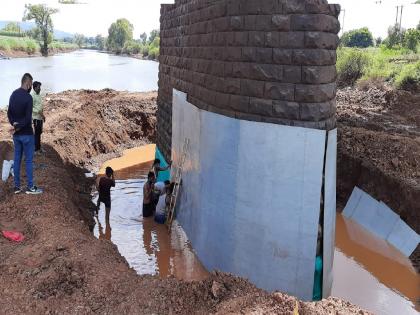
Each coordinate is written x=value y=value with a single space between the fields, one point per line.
x=61 y=268
x=379 y=149
x=88 y=127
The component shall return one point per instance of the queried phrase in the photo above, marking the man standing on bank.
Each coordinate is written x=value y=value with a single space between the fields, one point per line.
x=19 y=114
x=37 y=115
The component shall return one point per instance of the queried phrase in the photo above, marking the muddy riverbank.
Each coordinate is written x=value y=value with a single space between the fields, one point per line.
x=61 y=267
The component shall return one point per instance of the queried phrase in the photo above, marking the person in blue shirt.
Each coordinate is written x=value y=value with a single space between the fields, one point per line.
x=19 y=114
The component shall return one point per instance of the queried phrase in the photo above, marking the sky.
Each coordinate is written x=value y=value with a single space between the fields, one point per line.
x=96 y=16
x=377 y=17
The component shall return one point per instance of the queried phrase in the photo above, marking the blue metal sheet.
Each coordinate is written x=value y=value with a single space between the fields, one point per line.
x=382 y=221
x=352 y=202
x=250 y=197
x=404 y=238
x=329 y=212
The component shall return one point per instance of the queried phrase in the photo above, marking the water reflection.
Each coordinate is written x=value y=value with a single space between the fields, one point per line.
x=371 y=273
x=107 y=234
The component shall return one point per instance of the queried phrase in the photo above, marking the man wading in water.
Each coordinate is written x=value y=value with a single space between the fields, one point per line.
x=148 y=202
x=19 y=114
x=156 y=168
x=104 y=188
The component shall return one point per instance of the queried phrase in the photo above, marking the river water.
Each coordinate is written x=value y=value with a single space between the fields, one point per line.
x=368 y=272
x=82 y=69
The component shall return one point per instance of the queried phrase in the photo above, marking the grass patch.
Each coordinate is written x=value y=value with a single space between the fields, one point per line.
x=30 y=45
x=394 y=66
x=26 y=44
x=63 y=45
x=409 y=77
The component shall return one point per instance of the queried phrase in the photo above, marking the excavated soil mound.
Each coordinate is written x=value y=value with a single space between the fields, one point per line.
x=379 y=149
x=61 y=268
x=82 y=125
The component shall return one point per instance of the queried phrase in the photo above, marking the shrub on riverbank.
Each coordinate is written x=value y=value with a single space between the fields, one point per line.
x=409 y=77
x=57 y=45
x=26 y=44
x=393 y=66
x=30 y=46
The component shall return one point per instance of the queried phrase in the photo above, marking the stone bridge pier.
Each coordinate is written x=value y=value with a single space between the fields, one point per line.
x=252 y=84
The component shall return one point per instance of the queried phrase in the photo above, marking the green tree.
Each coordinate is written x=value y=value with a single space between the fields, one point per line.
x=412 y=39
x=361 y=38
x=153 y=35
x=143 y=38
x=395 y=36
x=79 y=40
x=41 y=14
x=100 y=42
x=119 y=33
x=12 y=27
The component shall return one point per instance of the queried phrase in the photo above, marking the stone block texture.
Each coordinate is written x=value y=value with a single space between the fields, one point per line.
x=262 y=60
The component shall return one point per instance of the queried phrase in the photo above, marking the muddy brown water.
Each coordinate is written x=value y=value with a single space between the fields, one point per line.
x=146 y=245
x=371 y=273
x=368 y=271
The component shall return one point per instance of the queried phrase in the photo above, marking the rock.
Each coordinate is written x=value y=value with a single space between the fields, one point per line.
x=218 y=290
x=60 y=248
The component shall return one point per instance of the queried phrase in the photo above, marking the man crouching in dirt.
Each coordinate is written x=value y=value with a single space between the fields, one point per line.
x=104 y=188
x=19 y=114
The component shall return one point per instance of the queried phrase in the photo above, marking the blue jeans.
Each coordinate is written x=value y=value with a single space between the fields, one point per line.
x=24 y=145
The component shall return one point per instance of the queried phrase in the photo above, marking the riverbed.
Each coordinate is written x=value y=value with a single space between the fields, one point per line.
x=81 y=69
x=368 y=271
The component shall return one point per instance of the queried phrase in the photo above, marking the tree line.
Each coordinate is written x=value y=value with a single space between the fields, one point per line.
x=120 y=40
x=42 y=33
x=397 y=38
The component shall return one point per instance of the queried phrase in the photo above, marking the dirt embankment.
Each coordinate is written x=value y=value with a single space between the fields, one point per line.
x=379 y=149
x=61 y=268
x=88 y=127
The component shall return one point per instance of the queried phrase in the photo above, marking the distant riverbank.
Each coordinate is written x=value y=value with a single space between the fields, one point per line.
x=135 y=56
x=22 y=47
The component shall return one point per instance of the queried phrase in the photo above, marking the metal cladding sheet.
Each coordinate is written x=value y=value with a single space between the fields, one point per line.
x=250 y=198
x=353 y=202
x=404 y=238
x=382 y=221
x=329 y=212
